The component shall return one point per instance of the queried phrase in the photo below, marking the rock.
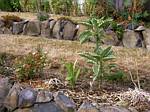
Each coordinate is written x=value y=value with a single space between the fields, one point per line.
x=27 y=98
x=130 y=39
x=110 y=38
x=64 y=102
x=1 y=30
x=87 y=107
x=32 y=28
x=1 y=23
x=44 y=96
x=140 y=28
x=11 y=101
x=52 y=22
x=7 y=30
x=45 y=29
x=70 y=31
x=82 y=28
x=57 y=33
x=18 y=27
x=146 y=35
x=47 y=107
x=113 y=109
x=132 y=26
x=65 y=29
x=4 y=90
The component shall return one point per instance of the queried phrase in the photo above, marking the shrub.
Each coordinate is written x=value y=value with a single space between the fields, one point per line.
x=42 y=16
x=73 y=73
x=5 y=5
x=31 y=65
x=15 y=4
x=61 y=6
x=118 y=29
x=99 y=60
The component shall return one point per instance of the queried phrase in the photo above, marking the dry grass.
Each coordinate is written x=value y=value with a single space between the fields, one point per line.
x=126 y=58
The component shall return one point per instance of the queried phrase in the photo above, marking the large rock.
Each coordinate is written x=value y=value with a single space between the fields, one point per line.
x=7 y=30
x=32 y=28
x=1 y=26
x=65 y=29
x=146 y=35
x=113 y=109
x=18 y=27
x=11 y=101
x=44 y=96
x=64 y=102
x=132 y=39
x=81 y=29
x=87 y=107
x=27 y=98
x=110 y=38
x=4 y=90
x=52 y=23
x=45 y=29
x=47 y=107
x=57 y=33
x=70 y=31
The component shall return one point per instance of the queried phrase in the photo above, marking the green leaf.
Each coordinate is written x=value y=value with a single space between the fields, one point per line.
x=88 y=56
x=106 y=52
x=85 y=36
x=96 y=70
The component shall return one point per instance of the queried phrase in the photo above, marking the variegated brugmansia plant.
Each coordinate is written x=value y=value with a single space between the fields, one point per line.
x=100 y=58
x=101 y=62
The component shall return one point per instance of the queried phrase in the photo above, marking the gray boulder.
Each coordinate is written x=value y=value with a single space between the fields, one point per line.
x=132 y=39
x=65 y=29
x=47 y=107
x=56 y=30
x=52 y=23
x=18 y=27
x=45 y=29
x=4 y=90
x=27 y=98
x=64 y=102
x=32 y=28
x=87 y=107
x=7 y=30
x=146 y=35
x=70 y=31
x=110 y=38
x=11 y=101
x=44 y=96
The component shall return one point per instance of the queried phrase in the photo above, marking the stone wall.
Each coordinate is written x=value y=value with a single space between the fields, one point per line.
x=19 y=98
x=60 y=29
x=68 y=30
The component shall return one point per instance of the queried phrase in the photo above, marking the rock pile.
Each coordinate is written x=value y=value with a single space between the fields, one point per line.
x=19 y=98
x=61 y=29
